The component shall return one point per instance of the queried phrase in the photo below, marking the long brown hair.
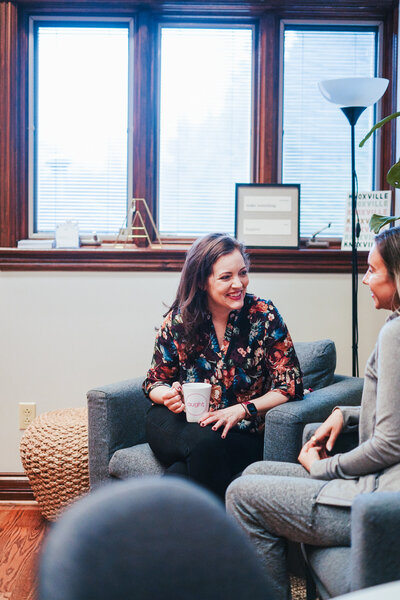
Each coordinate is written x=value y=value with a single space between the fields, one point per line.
x=388 y=244
x=191 y=297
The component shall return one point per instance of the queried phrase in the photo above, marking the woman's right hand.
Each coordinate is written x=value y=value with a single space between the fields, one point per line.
x=327 y=433
x=172 y=398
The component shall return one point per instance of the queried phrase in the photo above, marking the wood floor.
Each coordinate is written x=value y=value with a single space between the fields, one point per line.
x=22 y=530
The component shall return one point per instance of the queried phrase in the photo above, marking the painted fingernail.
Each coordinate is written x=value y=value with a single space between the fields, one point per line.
x=214 y=428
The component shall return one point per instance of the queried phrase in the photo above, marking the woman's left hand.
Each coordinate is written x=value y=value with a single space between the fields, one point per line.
x=310 y=453
x=227 y=417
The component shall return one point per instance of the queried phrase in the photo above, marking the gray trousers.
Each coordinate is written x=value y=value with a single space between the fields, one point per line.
x=274 y=502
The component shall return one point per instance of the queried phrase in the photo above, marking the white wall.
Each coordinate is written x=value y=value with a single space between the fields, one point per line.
x=63 y=333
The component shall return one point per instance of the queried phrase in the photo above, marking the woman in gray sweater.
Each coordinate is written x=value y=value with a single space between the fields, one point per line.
x=311 y=502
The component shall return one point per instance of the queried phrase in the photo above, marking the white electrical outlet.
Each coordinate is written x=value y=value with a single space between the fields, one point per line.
x=27 y=412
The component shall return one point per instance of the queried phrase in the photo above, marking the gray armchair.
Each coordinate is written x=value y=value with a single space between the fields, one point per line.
x=374 y=555
x=117 y=441
x=284 y=424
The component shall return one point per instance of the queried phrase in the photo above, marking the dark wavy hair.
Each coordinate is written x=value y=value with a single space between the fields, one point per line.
x=388 y=244
x=191 y=297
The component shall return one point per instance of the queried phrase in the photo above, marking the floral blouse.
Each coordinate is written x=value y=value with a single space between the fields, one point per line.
x=257 y=355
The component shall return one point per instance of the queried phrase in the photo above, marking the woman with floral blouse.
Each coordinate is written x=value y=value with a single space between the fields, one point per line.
x=217 y=333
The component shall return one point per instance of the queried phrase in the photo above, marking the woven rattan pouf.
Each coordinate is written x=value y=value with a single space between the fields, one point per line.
x=54 y=453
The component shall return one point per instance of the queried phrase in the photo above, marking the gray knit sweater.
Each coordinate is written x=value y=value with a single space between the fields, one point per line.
x=375 y=464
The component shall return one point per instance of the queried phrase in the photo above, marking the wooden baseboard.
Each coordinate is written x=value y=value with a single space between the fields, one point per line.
x=15 y=487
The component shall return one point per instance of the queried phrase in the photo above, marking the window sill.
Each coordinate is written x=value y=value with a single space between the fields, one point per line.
x=171 y=258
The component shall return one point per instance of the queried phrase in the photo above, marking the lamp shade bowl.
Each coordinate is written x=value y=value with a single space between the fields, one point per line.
x=353 y=91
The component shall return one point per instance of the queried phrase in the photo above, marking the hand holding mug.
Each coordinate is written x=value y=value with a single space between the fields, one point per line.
x=173 y=398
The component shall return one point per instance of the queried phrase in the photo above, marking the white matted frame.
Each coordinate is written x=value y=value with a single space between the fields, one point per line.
x=268 y=215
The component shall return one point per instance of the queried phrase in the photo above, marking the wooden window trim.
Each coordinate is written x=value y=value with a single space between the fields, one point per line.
x=14 y=139
x=303 y=260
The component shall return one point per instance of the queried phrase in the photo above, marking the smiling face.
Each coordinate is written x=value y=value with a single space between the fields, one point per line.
x=227 y=284
x=382 y=286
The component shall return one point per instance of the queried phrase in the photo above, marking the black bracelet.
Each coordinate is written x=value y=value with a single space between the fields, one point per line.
x=252 y=410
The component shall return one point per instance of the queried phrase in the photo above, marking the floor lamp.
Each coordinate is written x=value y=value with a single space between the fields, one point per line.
x=354 y=95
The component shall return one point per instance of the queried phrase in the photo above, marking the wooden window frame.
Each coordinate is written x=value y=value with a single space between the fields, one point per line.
x=14 y=18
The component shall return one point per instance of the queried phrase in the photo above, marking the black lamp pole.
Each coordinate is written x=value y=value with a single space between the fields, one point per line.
x=352 y=113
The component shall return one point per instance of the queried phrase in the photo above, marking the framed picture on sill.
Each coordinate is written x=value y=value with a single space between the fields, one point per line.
x=268 y=215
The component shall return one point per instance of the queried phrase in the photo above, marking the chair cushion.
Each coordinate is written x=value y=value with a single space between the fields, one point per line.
x=318 y=363
x=134 y=462
x=331 y=568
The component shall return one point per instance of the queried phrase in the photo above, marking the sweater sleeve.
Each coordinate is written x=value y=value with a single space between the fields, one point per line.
x=382 y=449
x=351 y=417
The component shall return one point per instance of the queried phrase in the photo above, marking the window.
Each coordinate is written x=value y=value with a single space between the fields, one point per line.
x=200 y=106
x=316 y=134
x=205 y=127
x=79 y=130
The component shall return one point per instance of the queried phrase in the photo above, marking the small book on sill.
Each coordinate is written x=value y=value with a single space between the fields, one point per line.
x=36 y=244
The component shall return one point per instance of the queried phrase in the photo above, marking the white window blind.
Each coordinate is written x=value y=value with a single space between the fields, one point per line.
x=316 y=134
x=205 y=127
x=81 y=126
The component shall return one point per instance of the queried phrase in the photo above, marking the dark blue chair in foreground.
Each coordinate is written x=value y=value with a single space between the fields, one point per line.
x=148 y=539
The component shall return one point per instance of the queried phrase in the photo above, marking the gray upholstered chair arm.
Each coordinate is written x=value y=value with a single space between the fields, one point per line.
x=284 y=424
x=116 y=416
x=375 y=552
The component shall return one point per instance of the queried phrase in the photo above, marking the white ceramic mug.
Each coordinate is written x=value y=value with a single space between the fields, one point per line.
x=197 y=400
